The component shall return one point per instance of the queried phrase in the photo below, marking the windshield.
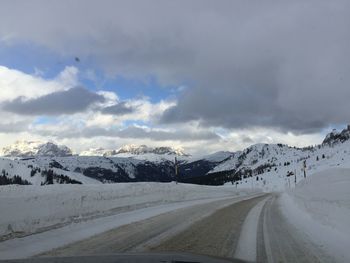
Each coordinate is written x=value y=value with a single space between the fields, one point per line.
x=197 y=130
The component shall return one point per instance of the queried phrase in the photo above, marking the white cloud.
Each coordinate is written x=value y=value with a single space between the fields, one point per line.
x=110 y=98
x=239 y=139
x=14 y=83
x=143 y=110
x=68 y=77
x=246 y=56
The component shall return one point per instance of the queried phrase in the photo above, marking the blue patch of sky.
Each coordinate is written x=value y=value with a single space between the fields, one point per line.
x=31 y=59
x=45 y=120
x=338 y=126
x=128 y=123
x=222 y=132
x=127 y=88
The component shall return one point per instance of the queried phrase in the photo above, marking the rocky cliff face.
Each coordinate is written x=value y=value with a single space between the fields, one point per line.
x=337 y=137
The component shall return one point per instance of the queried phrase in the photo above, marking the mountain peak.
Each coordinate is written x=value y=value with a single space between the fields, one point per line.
x=335 y=137
x=22 y=148
x=143 y=149
x=95 y=152
x=134 y=149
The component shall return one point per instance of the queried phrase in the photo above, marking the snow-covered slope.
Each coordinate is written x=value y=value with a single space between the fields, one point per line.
x=85 y=169
x=320 y=207
x=34 y=171
x=214 y=157
x=33 y=208
x=268 y=165
x=35 y=148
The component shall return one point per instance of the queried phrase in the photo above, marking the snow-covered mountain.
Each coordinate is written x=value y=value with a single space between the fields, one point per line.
x=133 y=149
x=260 y=164
x=35 y=148
x=144 y=149
x=96 y=152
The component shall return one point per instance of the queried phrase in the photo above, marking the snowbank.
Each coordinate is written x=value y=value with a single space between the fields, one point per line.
x=29 y=209
x=320 y=206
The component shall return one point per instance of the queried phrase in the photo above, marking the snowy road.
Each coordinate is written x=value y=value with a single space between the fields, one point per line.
x=31 y=245
x=252 y=230
x=156 y=233
x=280 y=241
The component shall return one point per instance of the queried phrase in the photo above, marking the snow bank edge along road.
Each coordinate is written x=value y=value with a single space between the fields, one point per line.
x=320 y=207
x=247 y=242
x=30 y=209
x=39 y=243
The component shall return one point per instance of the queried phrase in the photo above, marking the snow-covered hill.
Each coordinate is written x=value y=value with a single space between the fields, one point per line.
x=273 y=166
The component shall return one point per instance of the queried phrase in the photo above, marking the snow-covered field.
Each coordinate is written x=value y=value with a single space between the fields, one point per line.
x=320 y=206
x=30 y=209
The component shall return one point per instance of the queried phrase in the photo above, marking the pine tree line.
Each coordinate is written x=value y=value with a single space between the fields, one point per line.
x=52 y=177
x=6 y=180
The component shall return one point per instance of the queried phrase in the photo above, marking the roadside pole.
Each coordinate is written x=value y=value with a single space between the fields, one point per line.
x=295 y=178
x=176 y=171
x=304 y=168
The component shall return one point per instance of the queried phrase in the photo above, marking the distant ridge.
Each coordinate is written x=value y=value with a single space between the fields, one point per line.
x=134 y=149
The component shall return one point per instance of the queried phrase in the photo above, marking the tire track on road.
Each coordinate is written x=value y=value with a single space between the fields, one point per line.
x=215 y=235
x=140 y=236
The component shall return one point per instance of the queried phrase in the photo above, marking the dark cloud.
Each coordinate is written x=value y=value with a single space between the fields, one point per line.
x=131 y=132
x=62 y=102
x=118 y=109
x=246 y=139
x=183 y=135
x=281 y=64
x=13 y=127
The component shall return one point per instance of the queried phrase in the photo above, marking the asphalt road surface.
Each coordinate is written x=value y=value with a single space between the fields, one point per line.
x=253 y=230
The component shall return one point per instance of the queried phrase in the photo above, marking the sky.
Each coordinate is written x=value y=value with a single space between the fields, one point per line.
x=201 y=75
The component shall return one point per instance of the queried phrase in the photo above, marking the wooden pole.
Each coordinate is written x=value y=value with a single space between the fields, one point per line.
x=176 y=171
